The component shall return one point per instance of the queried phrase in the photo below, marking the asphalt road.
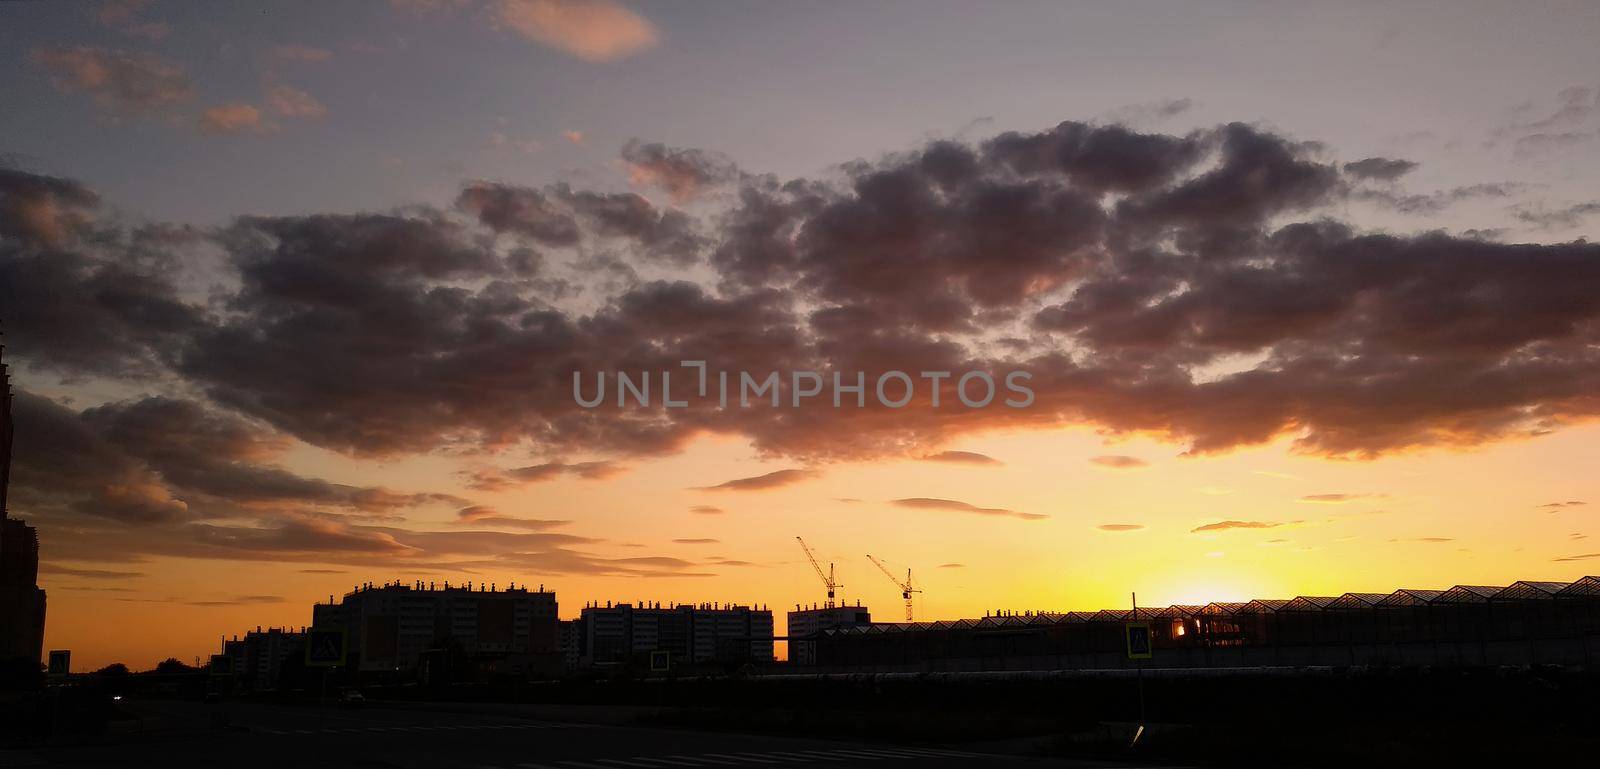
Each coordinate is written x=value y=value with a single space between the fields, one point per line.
x=181 y=734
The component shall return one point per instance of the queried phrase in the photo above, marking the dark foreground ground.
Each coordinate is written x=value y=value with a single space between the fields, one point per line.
x=187 y=734
x=1330 y=718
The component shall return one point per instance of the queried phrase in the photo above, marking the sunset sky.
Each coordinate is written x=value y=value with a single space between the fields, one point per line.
x=294 y=293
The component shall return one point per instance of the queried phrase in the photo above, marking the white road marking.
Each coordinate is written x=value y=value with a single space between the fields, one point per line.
x=742 y=759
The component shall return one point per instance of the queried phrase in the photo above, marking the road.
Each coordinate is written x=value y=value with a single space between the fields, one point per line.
x=179 y=734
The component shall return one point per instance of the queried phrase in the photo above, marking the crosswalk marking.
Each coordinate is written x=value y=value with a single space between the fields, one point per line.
x=625 y=762
x=744 y=759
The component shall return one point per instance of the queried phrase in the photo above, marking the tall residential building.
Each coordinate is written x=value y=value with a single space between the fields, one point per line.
x=691 y=633
x=21 y=600
x=806 y=624
x=258 y=657
x=388 y=627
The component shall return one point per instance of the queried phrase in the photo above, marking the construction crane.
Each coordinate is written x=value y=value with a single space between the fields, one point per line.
x=827 y=579
x=906 y=589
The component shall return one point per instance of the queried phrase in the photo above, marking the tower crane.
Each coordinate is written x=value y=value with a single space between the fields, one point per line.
x=906 y=588
x=827 y=579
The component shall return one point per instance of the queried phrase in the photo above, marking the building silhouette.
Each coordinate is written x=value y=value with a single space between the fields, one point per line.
x=1525 y=623
x=394 y=627
x=22 y=603
x=692 y=634
x=257 y=660
x=805 y=624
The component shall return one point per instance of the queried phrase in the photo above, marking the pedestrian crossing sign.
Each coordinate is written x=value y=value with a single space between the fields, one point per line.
x=1138 y=640
x=324 y=647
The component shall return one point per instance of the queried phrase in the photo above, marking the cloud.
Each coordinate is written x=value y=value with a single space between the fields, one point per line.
x=1583 y=557
x=575 y=137
x=706 y=510
x=499 y=480
x=1119 y=264
x=1554 y=506
x=1382 y=169
x=1338 y=499
x=1565 y=217
x=592 y=30
x=927 y=503
x=696 y=541
x=480 y=515
x=962 y=457
x=292 y=102
x=301 y=53
x=122 y=15
x=1120 y=462
x=242 y=600
x=1427 y=540
x=72 y=571
x=323 y=571
x=1120 y=527
x=1227 y=525
x=232 y=119
x=1426 y=204
x=684 y=174
x=1150 y=112
x=772 y=480
x=127 y=83
x=952 y=566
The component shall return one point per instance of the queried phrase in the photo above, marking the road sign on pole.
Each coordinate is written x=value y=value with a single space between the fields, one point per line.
x=324 y=647
x=1138 y=640
x=660 y=661
x=60 y=663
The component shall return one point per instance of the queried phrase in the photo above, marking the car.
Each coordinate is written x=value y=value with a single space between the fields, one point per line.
x=352 y=699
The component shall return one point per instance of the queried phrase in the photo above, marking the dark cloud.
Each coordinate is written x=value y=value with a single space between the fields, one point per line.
x=1425 y=204
x=1118 y=264
x=684 y=174
x=1382 y=169
x=696 y=541
x=1120 y=527
x=1565 y=217
x=962 y=457
x=1553 y=506
x=928 y=503
x=706 y=510
x=80 y=298
x=952 y=566
x=73 y=571
x=771 y=480
x=1119 y=461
